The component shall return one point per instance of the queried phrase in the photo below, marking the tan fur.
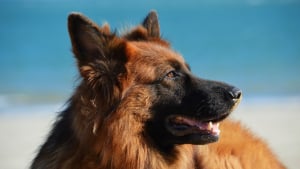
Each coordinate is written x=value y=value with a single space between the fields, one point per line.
x=238 y=148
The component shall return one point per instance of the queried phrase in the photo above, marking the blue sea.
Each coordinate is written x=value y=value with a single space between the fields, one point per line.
x=254 y=44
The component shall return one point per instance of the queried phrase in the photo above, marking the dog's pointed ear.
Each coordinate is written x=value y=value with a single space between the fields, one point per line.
x=87 y=38
x=99 y=53
x=152 y=25
x=100 y=56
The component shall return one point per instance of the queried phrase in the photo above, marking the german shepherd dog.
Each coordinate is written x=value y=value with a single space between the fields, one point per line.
x=138 y=106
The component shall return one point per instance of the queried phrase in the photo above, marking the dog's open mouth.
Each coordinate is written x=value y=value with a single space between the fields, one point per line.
x=181 y=126
x=203 y=131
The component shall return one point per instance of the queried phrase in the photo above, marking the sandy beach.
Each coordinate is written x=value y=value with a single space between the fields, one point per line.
x=24 y=128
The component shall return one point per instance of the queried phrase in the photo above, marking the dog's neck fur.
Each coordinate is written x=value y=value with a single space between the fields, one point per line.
x=128 y=124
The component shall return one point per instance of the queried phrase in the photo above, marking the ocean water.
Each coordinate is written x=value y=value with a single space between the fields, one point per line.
x=254 y=45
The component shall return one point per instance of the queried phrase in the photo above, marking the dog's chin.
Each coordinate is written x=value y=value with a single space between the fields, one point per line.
x=189 y=130
x=196 y=139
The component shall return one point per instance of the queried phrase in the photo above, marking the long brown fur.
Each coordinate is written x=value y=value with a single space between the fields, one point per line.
x=104 y=124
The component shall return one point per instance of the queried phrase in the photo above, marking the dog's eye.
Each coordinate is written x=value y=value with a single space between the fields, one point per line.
x=172 y=74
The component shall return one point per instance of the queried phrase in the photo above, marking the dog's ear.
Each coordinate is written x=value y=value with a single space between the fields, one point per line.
x=152 y=25
x=88 y=39
x=101 y=59
x=148 y=30
x=96 y=49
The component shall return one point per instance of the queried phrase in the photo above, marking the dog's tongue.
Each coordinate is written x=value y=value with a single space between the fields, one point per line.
x=210 y=127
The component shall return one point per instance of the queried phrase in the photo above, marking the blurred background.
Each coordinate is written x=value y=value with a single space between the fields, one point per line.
x=252 y=44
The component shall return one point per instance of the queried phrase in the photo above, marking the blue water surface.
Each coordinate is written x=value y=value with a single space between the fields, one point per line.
x=255 y=46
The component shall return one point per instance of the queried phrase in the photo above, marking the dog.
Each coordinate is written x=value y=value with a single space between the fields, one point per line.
x=138 y=106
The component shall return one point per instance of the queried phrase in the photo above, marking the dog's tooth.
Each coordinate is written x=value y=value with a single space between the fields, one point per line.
x=210 y=125
x=218 y=124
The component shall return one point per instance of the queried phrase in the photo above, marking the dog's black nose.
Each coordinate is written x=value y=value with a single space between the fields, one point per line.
x=235 y=93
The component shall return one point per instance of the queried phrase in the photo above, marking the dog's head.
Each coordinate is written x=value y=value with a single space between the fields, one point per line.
x=138 y=73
